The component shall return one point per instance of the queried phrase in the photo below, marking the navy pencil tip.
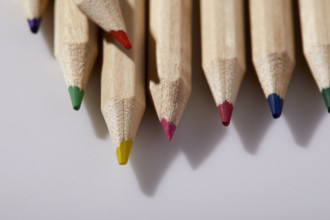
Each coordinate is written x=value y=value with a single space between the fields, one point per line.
x=34 y=24
x=275 y=104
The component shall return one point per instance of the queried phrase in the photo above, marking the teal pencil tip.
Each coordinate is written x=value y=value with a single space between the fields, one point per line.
x=76 y=95
x=326 y=97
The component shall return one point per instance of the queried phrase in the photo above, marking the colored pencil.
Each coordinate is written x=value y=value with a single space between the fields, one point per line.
x=34 y=10
x=223 y=52
x=108 y=15
x=123 y=81
x=170 y=60
x=315 y=23
x=273 y=48
x=76 y=47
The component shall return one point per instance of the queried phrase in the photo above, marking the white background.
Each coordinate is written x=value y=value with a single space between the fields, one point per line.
x=56 y=163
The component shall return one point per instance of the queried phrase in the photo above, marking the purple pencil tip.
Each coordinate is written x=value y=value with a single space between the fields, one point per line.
x=34 y=24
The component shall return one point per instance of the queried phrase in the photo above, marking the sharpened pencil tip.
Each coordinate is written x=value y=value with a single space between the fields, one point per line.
x=326 y=97
x=168 y=127
x=225 y=111
x=122 y=37
x=34 y=24
x=123 y=151
x=76 y=95
x=275 y=104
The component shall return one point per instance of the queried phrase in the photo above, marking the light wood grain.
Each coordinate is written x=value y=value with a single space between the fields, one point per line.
x=315 y=22
x=76 y=44
x=170 y=57
x=223 y=52
x=123 y=77
x=272 y=44
x=106 y=13
x=34 y=8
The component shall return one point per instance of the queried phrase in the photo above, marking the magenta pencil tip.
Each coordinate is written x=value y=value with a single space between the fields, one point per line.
x=168 y=127
x=225 y=111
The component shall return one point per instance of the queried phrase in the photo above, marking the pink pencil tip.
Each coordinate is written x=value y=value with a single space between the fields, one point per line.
x=122 y=37
x=168 y=127
x=225 y=111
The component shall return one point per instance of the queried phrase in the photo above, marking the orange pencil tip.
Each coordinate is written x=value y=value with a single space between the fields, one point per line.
x=122 y=37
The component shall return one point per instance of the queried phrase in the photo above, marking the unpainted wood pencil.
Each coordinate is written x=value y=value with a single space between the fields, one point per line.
x=76 y=47
x=273 y=48
x=315 y=24
x=223 y=52
x=123 y=81
x=34 y=10
x=170 y=60
x=108 y=15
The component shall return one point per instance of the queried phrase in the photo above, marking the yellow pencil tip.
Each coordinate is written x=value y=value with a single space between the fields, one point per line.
x=123 y=151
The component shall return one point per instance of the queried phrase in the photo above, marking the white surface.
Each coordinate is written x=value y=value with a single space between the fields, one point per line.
x=56 y=163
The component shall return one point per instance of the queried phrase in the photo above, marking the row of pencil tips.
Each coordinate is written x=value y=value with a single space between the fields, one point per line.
x=169 y=54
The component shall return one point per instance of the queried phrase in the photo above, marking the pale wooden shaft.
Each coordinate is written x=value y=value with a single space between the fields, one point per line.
x=123 y=76
x=315 y=24
x=34 y=8
x=170 y=57
x=223 y=53
x=106 y=13
x=272 y=44
x=76 y=44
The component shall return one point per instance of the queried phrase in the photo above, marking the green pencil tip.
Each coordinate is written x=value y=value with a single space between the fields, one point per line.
x=76 y=95
x=326 y=97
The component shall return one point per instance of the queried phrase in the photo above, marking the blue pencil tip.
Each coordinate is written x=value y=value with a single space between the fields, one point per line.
x=275 y=104
x=34 y=24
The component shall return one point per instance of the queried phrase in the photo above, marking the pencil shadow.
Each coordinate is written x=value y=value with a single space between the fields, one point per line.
x=200 y=128
x=152 y=153
x=47 y=27
x=92 y=100
x=152 y=67
x=251 y=115
x=304 y=104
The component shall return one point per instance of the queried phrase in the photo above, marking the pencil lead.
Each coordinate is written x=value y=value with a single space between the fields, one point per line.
x=225 y=111
x=275 y=104
x=123 y=151
x=76 y=95
x=34 y=24
x=168 y=127
x=326 y=97
x=122 y=37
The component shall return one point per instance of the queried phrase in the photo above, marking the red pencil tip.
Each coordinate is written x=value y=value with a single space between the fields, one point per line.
x=122 y=37
x=168 y=127
x=225 y=111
